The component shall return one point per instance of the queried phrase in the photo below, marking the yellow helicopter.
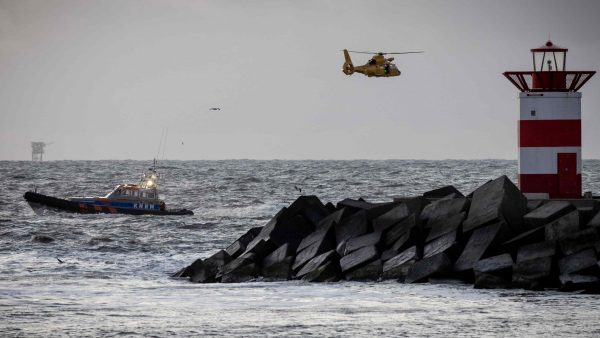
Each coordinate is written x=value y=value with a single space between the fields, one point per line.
x=378 y=66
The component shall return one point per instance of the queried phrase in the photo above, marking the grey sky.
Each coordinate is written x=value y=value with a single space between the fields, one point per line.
x=102 y=79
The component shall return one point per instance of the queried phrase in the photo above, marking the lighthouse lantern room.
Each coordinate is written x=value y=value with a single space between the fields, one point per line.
x=549 y=127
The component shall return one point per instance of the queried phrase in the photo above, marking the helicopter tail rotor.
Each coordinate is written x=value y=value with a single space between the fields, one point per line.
x=348 y=67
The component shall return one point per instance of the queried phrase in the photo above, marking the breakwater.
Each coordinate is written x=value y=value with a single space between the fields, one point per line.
x=493 y=237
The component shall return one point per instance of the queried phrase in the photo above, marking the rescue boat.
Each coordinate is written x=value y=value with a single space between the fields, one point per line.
x=136 y=199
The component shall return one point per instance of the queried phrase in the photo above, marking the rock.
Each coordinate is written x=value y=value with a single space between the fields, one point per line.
x=328 y=272
x=446 y=244
x=536 y=250
x=385 y=221
x=548 y=212
x=394 y=233
x=496 y=200
x=369 y=272
x=582 y=262
x=198 y=271
x=241 y=269
x=341 y=248
x=443 y=208
x=42 y=238
x=415 y=204
x=487 y=281
x=362 y=241
x=579 y=241
x=278 y=264
x=595 y=221
x=323 y=245
x=441 y=226
x=397 y=267
x=313 y=264
x=353 y=226
x=358 y=258
x=435 y=266
x=572 y=282
x=562 y=227
x=483 y=240
x=500 y=266
x=533 y=274
x=442 y=192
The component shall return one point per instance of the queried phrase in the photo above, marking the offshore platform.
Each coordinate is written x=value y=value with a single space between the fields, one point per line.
x=37 y=150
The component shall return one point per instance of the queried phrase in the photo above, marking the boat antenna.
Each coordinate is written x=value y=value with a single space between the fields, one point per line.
x=165 y=143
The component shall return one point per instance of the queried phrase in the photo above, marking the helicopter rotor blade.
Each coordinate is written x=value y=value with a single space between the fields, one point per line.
x=354 y=51
x=403 y=53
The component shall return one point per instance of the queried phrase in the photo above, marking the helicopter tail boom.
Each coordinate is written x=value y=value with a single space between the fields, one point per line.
x=348 y=67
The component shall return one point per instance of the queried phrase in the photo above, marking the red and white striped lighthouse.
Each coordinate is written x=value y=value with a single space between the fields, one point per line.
x=550 y=125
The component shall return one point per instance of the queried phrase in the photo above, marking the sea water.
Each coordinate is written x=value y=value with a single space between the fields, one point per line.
x=114 y=276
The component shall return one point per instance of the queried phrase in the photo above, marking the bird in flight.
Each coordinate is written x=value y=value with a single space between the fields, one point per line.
x=214 y=108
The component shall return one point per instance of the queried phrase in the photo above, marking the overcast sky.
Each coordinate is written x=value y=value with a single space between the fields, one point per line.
x=104 y=79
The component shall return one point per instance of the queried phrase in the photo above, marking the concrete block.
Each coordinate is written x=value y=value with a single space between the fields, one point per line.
x=239 y=246
x=443 y=208
x=414 y=204
x=533 y=274
x=435 y=266
x=333 y=218
x=369 y=272
x=284 y=228
x=356 y=243
x=562 y=227
x=579 y=241
x=278 y=255
x=548 y=212
x=534 y=204
x=447 y=244
x=584 y=262
x=373 y=210
x=390 y=236
x=441 y=226
x=494 y=200
x=326 y=231
x=353 y=226
x=204 y=271
x=482 y=241
x=241 y=269
x=261 y=247
x=536 y=250
x=394 y=216
x=595 y=221
x=574 y=282
x=488 y=281
x=442 y=192
x=535 y=235
x=279 y=270
x=310 y=207
x=314 y=250
x=358 y=258
x=397 y=267
x=313 y=264
x=328 y=272
x=500 y=265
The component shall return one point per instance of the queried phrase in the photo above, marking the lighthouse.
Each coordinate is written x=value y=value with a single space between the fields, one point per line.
x=549 y=128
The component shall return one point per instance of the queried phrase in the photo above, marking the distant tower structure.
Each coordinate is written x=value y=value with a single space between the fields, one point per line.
x=37 y=150
x=550 y=125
